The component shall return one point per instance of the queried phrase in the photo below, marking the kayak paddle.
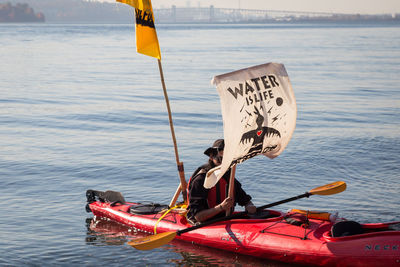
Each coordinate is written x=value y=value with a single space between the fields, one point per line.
x=158 y=240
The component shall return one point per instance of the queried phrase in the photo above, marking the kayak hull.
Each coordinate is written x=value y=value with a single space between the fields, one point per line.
x=271 y=238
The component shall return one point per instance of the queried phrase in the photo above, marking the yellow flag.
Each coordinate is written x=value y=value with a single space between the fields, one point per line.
x=146 y=35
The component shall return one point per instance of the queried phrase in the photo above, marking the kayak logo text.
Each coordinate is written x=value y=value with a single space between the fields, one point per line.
x=232 y=237
x=376 y=247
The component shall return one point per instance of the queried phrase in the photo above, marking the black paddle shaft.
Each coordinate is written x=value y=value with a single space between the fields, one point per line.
x=240 y=214
x=307 y=194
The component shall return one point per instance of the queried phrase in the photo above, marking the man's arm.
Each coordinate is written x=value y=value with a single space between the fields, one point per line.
x=204 y=215
x=243 y=198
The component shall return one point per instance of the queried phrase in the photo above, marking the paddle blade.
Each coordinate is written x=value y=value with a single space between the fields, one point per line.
x=329 y=189
x=152 y=241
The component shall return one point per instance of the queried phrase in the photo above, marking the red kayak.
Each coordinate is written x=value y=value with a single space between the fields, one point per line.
x=108 y=232
x=287 y=237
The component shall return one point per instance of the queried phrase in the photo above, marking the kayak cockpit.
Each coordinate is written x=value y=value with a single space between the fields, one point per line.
x=351 y=230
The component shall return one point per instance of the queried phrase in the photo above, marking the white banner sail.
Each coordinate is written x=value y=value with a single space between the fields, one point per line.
x=259 y=114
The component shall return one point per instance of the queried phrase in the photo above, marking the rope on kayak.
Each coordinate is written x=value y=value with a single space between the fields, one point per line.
x=181 y=206
x=296 y=219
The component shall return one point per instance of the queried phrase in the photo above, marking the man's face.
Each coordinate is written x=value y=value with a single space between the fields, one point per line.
x=217 y=159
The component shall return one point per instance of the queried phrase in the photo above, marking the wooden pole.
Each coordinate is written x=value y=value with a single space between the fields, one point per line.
x=183 y=185
x=231 y=188
x=175 y=197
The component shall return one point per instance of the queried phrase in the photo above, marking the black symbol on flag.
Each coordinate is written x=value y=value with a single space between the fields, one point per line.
x=258 y=134
x=144 y=18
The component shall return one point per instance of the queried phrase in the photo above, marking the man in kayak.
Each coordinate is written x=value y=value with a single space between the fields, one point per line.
x=205 y=204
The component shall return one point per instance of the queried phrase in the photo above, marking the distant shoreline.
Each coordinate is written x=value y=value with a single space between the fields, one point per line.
x=79 y=11
x=232 y=24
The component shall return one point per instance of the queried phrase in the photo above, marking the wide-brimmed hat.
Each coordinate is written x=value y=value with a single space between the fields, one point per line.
x=218 y=145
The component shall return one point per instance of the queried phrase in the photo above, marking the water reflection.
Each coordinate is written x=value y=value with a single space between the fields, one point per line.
x=101 y=232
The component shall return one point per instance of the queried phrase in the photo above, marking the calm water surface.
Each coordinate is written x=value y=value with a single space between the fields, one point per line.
x=80 y=109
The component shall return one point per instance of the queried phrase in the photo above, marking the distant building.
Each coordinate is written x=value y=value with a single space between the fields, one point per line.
x=19 y=13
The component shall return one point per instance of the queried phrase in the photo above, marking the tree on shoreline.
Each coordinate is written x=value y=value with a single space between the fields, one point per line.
x=19 y=13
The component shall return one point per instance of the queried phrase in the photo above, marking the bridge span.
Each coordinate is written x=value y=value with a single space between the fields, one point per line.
x=224 y=15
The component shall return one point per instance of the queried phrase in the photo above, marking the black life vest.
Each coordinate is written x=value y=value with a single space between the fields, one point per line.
x=216 y=194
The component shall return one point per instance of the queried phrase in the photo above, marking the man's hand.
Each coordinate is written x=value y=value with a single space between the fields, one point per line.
x=227 y=204
x=250 y=208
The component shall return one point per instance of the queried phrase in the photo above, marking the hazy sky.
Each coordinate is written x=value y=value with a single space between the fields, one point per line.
x=336 y=6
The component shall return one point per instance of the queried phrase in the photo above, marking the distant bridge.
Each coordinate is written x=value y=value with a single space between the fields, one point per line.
x=215 y=15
